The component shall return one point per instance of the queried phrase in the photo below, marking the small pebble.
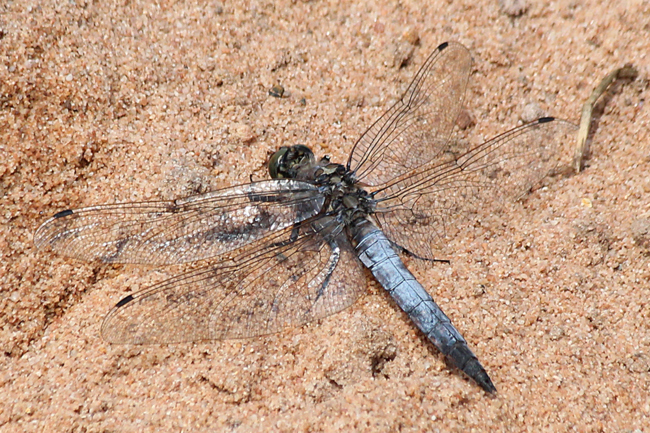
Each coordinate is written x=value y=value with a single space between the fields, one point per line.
x=532 y=111
x=411 y=36
x=465 y=119
x=641 y=232
x=277 y=91
x=243 y=132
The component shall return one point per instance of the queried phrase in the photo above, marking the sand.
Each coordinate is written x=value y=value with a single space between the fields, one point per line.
x=124 y=101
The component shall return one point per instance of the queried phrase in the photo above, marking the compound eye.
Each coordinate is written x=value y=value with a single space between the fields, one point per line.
x=276 y=163
x=301 y=154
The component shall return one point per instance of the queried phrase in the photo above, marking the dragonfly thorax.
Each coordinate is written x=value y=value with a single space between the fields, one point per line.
x=346 y=199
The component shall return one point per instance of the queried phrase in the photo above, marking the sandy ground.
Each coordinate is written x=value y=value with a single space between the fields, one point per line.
x=119 y=101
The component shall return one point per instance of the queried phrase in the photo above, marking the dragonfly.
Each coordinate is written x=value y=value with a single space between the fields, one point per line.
x=282 y=252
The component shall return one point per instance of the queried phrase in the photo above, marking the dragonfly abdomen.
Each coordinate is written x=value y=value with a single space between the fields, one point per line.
x=376 y=253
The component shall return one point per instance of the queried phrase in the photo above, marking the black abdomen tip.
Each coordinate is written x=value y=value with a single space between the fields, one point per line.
x=63 y=213
x=462 y=357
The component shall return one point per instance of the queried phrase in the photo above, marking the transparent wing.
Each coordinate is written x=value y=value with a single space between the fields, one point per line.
x=417 y=128
x=180 y=231
x=425 y=208
x=288 y=278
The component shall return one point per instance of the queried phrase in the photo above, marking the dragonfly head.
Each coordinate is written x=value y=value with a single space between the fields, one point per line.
x=287 y=162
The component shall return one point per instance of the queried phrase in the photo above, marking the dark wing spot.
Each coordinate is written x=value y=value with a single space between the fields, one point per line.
x=124 y=301
x=442 y=46
x=545 y=119
x=63 y=213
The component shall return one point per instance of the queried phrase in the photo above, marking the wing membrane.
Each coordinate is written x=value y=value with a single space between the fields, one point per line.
x=288 y=278
x=180 y=231
x=417 y=128
x=425 y=208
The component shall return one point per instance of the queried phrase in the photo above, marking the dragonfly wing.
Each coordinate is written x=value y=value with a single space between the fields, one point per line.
x=417 y=128
x=286 y=279
x=180 y=231
x=424 y=209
